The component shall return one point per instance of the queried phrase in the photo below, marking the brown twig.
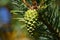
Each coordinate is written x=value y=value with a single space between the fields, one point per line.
x=27 y=4
x=34 y=4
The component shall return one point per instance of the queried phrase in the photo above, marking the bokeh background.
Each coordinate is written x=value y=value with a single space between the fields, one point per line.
x=19 y=32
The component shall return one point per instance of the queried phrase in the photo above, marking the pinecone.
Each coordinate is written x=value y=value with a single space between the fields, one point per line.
x=31 y=20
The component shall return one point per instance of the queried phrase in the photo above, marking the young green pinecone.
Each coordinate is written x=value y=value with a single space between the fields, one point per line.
x=31 y=17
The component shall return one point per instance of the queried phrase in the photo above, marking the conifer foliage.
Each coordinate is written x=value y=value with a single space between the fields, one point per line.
x=42 y=18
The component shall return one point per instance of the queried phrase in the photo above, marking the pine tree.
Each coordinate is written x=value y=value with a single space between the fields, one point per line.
x=48 y=27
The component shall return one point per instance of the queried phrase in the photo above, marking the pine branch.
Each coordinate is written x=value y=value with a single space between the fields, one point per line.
x=34 y=4
x=49 y=26
x=42 y=2
x=27 y=4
